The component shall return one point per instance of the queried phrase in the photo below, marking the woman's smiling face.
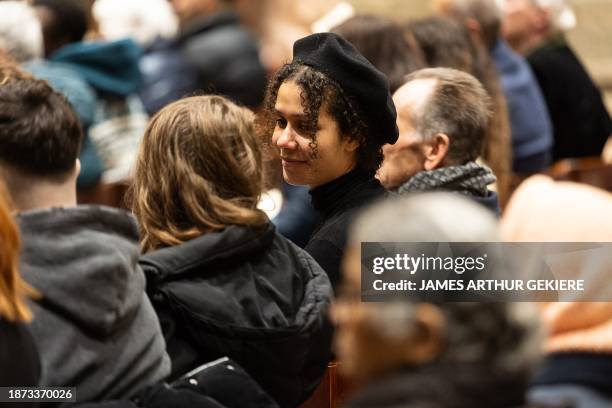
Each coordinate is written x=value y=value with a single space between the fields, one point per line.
x=308 y=161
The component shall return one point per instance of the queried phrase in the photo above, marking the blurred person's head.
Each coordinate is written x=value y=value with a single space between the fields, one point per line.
x=142 y=20
x=198 y=170
x=40 y=141
x=20 y=31
x=445 y=42
x=191 y=10
x=13 y=290
x=327 y=112
x=482 y=18
x=434 y=132
x=527 y=23
x=63 y=22
x=383 y=43
x=374 y=339
x=544 y=210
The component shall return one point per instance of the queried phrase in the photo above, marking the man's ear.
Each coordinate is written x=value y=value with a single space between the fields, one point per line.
x=427 y=342
x=77 y=167
x=436 y=151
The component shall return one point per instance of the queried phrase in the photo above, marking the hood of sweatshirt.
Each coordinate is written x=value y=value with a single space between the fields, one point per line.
x=110 y=67
x=84 y=262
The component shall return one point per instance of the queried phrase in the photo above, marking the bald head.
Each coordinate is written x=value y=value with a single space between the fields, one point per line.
x=443 y=115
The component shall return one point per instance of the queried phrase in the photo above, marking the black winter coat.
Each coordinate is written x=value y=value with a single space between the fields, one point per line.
x=250 y=294
x=580 y=119
x=337 y=202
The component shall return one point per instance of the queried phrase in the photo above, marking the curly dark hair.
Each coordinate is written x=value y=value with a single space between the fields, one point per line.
x=320 y=91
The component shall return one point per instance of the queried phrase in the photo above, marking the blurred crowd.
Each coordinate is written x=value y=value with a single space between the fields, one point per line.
x=186 y=184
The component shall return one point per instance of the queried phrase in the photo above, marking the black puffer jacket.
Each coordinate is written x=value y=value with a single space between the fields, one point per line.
x=249 y=294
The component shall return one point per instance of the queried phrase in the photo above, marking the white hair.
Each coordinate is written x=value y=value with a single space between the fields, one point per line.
x=562 y=16
x=141 y=20
x=20 y=31
x=504 y=335
x=431 y=217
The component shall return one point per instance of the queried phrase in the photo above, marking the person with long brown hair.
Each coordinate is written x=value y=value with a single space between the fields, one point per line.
x=222 y=280
x=18 y=350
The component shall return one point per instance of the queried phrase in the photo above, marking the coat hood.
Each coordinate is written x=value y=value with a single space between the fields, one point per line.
x=86 y=254
x=110 y=67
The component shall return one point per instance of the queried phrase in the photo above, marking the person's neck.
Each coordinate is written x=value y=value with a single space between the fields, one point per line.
x=29 y=193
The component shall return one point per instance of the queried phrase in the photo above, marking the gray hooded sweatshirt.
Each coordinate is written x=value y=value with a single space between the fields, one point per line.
x=94 y=327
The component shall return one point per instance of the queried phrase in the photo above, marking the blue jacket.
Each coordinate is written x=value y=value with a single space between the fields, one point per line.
x=529 y=120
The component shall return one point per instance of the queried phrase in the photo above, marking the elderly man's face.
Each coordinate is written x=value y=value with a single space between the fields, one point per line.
x=519 y=21
x=406 y=157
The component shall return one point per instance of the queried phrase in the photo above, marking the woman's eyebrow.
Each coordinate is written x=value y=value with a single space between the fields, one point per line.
x=296 y=115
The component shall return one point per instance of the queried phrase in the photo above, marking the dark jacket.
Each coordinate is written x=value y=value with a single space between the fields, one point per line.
x=250 y=294
x=444 y=386
x=217 y=384
x=296 y=219
x=583 y=379
x=337 y=202
x=579 y=116
x=214 y=55
x=18 y=352
x=94 y=327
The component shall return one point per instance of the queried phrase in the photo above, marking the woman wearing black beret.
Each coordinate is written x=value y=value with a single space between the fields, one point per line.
x=328 y=113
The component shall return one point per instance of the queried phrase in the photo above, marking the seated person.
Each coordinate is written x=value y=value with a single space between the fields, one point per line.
x=223 y=281
x=578 y=364
x=453 y=354
x=327 y=114
x=94 y=326
x=439 y=143
x=18 y=349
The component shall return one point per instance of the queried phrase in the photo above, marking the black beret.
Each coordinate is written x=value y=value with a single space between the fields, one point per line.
x=337 y=58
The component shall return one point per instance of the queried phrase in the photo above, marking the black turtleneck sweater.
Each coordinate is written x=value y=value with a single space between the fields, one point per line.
x=337 y=203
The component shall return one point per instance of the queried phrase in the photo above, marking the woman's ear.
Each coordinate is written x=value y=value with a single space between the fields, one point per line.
x=436 y=151
x=351 y=143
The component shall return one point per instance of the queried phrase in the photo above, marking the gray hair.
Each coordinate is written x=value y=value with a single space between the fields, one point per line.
x=20 y=31
x=459 y=107
x=505 y=336
x=142 y=20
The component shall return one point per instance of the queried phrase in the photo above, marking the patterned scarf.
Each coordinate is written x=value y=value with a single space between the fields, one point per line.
x=469 y=179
